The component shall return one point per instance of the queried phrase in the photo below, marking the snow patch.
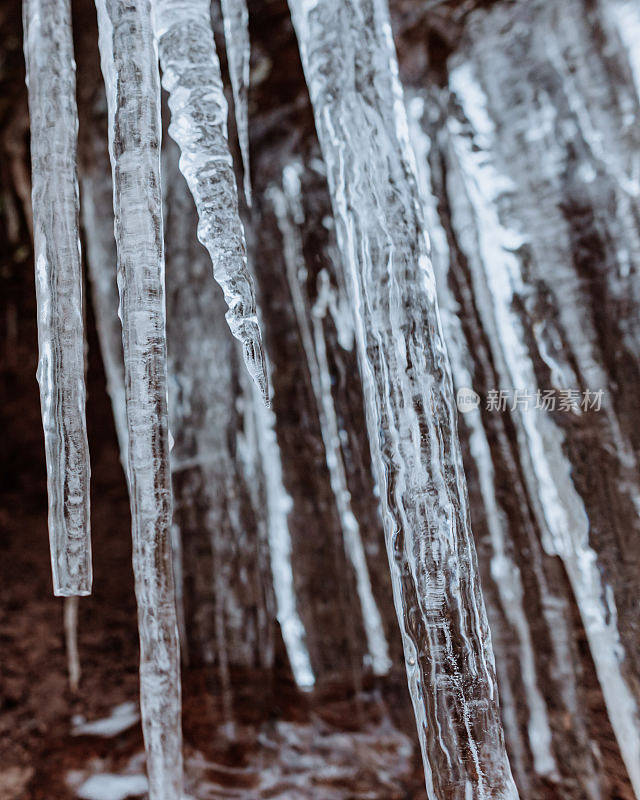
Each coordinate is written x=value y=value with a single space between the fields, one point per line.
x=113 y=787
x=121 y=718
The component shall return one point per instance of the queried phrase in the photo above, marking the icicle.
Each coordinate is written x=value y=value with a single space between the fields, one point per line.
x=130 y=70
x=222 y=645
x=286 y=204
x=191 y=75
x=178 y=580
x=260 y=444
x=236 y=34
x=48 y=49
x=71 y=641
x=97 y=195
x=349 y=61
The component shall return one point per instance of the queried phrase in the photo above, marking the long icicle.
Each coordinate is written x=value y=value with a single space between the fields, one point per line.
x=350 y=65
x=48 y=50
x=130 y=69
x=288 y=208
x=191 y=75
x=236 y=35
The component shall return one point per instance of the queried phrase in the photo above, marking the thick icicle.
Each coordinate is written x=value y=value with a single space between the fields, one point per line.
x=504 y=569
x=48 y=49
x=349 y=61
x=236 y=34
x=130 y=69
x=191 y=75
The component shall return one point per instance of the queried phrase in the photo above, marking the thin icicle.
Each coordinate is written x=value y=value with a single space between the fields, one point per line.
x=191 y=75
x=287 y=205
x=97 y=195
x=178 y=580
x=130 y=69
x=236 y=34
x=48 y=50
x=351 y=70
x=71 y=641
x=260 y=444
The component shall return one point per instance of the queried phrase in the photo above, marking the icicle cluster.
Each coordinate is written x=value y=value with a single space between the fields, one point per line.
x=191 y=75
x=349 y=62
x=130 y=69
x=502 y=269
x=48 y=49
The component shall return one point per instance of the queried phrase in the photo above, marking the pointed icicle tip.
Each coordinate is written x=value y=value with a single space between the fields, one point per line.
x=254 y=358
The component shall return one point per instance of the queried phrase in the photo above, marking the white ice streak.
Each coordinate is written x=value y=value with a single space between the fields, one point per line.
x=609 y=158
x=130 y=69
x=236 y=35
x=279 y=504
x=112 y=787
x=191 y=75
x=51 y=80
x=351 y=70
x=626 y=17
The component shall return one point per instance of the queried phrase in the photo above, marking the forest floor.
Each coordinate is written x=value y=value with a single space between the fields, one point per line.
x=296 y=746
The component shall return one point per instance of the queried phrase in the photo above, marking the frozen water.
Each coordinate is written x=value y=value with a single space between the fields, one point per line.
x=130 y=69
x=51 y=79
x=191 y=75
